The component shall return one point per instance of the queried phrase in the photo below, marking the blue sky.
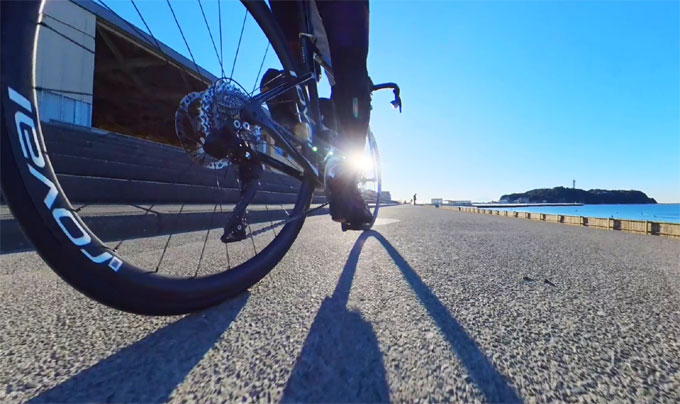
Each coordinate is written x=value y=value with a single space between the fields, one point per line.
x=500 y=97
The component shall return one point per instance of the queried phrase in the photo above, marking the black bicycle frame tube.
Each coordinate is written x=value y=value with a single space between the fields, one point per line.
x=254 y=113
x=309 y=106
x=310 y=111
x=310 y=66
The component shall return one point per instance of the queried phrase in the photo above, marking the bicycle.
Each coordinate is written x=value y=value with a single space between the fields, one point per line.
x=38 y=202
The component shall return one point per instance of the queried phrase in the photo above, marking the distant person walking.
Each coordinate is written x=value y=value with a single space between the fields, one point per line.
x=414 y=199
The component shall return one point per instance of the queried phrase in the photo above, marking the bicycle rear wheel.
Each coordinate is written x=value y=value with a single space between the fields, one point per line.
x=98 y=267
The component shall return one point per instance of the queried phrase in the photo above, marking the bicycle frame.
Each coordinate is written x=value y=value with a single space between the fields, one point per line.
x=304 y=154
x=254 y=112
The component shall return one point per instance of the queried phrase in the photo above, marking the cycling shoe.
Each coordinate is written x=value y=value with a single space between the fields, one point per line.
x=346 y=203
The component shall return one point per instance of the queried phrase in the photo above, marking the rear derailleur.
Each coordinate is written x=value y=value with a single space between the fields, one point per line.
x=226 y=143
x=209 y=128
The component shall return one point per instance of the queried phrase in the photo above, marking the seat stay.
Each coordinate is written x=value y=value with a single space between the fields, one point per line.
x=281 y=88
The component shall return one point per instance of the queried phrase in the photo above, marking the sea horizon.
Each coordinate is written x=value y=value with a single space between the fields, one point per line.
x=653 y=212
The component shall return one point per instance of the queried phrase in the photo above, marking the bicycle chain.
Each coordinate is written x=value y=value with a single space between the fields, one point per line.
x=283 y=222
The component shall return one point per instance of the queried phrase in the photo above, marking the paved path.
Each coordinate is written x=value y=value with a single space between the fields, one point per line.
x=432 y=306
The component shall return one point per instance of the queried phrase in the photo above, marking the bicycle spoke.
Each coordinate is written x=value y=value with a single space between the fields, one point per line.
x=270 y=218
x=217 y=181
x=257 y=78
x=158 y=46
x=181 y=175
x=55 y=90
x=168 y=241
x=181 y=67
x=147 y=211
x=211 y=37
x=284 y=222
x=139 y=13
x=238 y=47
x=183 y=37
x=56 y=31
x=252 y=239
x=68 y=25
x=265 y=84
x=205 y=241
x=219 y=16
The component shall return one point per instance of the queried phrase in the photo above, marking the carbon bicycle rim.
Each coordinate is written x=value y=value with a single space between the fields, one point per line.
x=176 y=270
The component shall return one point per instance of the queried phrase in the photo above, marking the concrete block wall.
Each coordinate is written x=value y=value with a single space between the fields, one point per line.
x=105 y=167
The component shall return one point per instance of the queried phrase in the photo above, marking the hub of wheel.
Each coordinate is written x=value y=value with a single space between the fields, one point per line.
x=210 y=129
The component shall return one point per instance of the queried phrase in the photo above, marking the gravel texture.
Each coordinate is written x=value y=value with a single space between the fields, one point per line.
x=432 y=306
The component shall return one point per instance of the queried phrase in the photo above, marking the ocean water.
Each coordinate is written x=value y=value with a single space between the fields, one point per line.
x=662 y=212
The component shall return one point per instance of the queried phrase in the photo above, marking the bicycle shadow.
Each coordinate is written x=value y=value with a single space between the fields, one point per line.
x=150 y=369
x=340 y=361
x=489 y=380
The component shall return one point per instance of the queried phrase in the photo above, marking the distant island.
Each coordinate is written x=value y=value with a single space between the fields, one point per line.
x=574 y=195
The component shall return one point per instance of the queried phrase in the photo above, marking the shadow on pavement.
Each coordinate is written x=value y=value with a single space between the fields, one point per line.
x=484 y=374
x=340 y=361
x=150 y=369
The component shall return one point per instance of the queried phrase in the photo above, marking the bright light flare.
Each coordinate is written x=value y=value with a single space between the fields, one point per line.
x=362 y=163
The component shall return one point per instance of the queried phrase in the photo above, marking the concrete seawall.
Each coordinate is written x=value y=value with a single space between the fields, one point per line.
x=671 y=230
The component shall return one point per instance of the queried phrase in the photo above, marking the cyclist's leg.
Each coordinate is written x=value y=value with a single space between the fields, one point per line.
x=287 y=13
x=283 y=110
x=346 y=25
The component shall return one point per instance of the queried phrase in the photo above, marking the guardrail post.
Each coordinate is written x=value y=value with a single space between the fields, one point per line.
x=656 y=228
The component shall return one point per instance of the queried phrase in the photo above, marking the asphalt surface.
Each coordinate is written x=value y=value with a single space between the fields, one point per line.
x=432 y=306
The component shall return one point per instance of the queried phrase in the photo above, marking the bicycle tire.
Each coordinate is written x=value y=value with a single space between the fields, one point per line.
x=62 y=239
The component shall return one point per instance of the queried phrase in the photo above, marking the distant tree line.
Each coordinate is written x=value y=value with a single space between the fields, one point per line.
x=573 y=195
